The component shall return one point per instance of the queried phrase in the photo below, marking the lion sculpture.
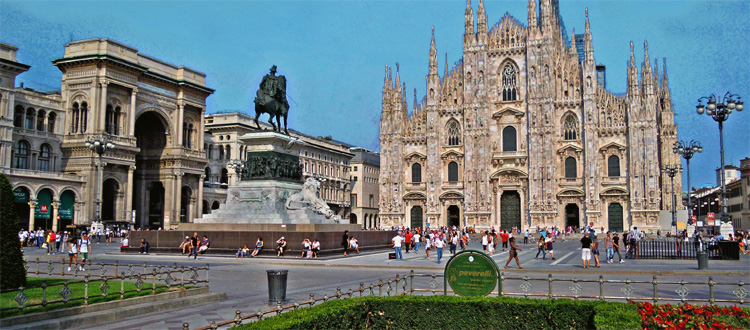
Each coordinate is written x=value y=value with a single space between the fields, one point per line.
x=308 y=198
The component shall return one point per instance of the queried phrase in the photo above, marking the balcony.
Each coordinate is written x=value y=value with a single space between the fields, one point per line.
x=449 y=185
x=517 y=158
x=613 y=180
x=40 y=174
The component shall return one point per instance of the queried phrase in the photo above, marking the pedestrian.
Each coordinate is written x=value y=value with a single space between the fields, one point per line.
x=58 y=239
x=258 y=247
x=315 y=248
x=51 y=237
x=407 y=240
x=540 y=248
x=454 y=243
x=72 y=253
x=513 y=253
x=427 y=246
x=415 y=239
x=280 y=247
x=608 y=245
x=526 y=237
x=595 y=251
x=548 y=247
x=194 y=243
x=586 y=250
x=439 y=243
x=616 y=248
x=633 y=243
x=84 y=244
x=345 y=242
x=397 y=240
x=485 y=241
x=144 y=246
x=355 y=244
x=504 y=237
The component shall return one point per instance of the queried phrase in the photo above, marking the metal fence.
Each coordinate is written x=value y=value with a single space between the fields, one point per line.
x=676 y=249
x=528 y=287
x=145 y=277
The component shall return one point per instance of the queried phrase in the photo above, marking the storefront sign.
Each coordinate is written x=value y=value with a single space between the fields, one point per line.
x=700 y=223
x=471 y=273
x=710 y=223
x=21 y=196
x=710 y=216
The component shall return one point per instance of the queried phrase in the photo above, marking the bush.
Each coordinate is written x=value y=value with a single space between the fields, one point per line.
x=11 y=256
x=453 y=312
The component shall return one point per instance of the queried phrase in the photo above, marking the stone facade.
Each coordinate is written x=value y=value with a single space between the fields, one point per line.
x=365 y=173
x=519 y=133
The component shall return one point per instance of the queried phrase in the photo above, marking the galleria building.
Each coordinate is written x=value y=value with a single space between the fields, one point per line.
x=521 y=132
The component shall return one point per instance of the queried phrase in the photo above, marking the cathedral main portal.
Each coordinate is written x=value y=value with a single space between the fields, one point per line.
x=510 y=210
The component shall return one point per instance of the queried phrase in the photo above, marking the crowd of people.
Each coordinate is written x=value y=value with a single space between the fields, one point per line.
x=437 y=239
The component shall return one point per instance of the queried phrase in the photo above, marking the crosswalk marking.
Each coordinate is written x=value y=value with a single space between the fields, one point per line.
x=561 y=259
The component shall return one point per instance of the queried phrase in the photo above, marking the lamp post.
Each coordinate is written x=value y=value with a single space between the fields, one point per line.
x=687 y=149
x=672 y=170
x=719 y=108
x=99 y=145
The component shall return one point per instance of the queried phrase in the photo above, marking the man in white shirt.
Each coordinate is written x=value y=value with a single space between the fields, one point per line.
x=397 y=240
x=485 y=241
x=85 y=247
x=415 y=239
x=439 y=243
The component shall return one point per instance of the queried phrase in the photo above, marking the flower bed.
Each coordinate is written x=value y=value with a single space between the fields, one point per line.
x=692 y=317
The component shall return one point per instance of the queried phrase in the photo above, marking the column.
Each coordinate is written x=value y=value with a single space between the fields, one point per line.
x=177 y=198
x=32 y=207
x=190 y=214
x=180 y=120
x=102 y=111
x=201 y=131
x=131 y=125
x=78 y=206
x=200 y=197
x=129 y=194
x=55 y=206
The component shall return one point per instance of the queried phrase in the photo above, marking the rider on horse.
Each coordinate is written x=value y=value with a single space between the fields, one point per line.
x=272 y=87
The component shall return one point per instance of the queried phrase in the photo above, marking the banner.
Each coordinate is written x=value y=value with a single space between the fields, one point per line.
x=21 y=195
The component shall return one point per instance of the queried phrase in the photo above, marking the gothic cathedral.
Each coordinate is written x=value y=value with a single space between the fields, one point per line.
x=521 y=132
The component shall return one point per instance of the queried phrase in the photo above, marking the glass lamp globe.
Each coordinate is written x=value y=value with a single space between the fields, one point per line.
x=700 y=109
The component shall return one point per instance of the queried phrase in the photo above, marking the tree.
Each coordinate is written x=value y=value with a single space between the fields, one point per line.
x=11 y=256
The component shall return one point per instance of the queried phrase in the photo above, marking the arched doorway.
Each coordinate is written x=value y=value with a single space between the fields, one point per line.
x=43 y=211
x=614 y=214
x=215 y=205
x=67 y=208
x=110 y=189
x=572 y=217
x=21 y=197
x=205 y=207
x=510 y=210
x=185 y=197
x=352 y=218
x=454 y=216
x=224 y=176
x=156 y=206
x=416 y=217
x=151 y=132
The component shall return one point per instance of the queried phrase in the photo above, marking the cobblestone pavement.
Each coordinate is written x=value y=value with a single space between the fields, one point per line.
x=244 y=280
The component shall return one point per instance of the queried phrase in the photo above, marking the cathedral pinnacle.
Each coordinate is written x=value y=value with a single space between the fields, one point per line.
x=433 y=54
x=532 y=13
x=587 y=20
x=469 y=25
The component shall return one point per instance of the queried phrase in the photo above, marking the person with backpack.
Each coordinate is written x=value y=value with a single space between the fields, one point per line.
x=84 y=244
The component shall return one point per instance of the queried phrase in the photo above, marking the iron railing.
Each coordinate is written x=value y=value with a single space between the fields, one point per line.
x=144 y=276
x=550 y=288
x=677 y=249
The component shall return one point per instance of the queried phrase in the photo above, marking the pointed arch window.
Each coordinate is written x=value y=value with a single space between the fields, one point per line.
x=452 y=172
x=613 y=166
x=510 y=83
x=570 y=128
x=509 y=139
x=570 y=168
x=416 y=173
x=454 y=133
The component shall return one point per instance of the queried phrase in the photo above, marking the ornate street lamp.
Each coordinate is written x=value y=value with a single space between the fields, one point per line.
x=687 y=149
x=99 y=145
x=719 y=108
x=672 y=170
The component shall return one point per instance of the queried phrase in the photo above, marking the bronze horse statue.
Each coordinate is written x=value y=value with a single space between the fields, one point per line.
x=273 y=108
x=271 y=99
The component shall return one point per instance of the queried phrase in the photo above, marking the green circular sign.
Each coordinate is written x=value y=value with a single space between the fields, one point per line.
x=471 y=273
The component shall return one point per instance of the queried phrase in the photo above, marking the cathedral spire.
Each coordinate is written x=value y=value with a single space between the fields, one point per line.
x=532 y=13
x=573 y=46
x=481 y=24
x=469 y=25
x=665 y=85
x=433 y=54
x=398 y=81
x=647 y=76
x=445 y=73
x=588 y=47
x=587 y=21
x=545 y=15
x=415 y=101
x=633 y=87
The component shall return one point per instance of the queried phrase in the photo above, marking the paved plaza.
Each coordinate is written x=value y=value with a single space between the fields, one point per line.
x=245 y=284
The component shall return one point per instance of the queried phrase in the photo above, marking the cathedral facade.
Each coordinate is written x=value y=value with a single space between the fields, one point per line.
x=520 y=133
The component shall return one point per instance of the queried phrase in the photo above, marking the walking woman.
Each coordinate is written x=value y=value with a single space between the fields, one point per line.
x=513 y=253
x=427 y=246
x=540 y=246
x=595 y=251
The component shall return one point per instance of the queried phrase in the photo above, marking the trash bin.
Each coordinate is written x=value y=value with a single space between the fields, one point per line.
x=702 y=260
x=276 y=285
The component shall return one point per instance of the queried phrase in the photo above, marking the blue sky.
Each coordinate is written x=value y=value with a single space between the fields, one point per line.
x=333 y=53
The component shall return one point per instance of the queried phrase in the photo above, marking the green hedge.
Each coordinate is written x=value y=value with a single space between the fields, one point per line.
x=452 y=312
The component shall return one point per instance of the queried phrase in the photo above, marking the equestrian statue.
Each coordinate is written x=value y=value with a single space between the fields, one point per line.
x=271 y=99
